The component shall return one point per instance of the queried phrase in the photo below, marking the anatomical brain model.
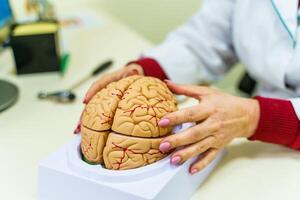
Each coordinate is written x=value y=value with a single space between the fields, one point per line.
x=120 y=124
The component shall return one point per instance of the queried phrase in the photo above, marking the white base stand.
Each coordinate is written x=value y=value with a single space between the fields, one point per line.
x=64 y=176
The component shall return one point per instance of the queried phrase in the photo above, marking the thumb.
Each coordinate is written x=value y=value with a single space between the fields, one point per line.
x=188 y=90
x=133 y=69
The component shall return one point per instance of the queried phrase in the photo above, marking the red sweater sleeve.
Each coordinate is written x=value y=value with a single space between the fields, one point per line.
x=151 y=68
x=278 y=123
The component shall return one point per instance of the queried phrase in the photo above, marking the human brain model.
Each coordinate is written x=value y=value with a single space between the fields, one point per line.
x=120 y=124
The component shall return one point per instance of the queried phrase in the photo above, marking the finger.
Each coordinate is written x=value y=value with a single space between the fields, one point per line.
x=102 y=83
x=192 y=150
x=131 y=73
x=204 y=160
x=189 y=136
x=133 y=69
x=78 y=127
x=188 y=90
x=97 y=86
x=191 y=114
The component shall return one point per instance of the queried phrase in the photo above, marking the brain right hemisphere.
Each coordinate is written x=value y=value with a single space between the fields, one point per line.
x=120 y=124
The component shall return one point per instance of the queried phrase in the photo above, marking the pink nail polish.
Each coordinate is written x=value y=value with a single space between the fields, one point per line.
x=165 y=146
x=194 y=171
x=78 y=129
x=164 y=122
x=175 y=160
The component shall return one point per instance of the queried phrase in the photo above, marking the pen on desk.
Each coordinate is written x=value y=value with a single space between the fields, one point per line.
x=67 y=96
x=97 y=71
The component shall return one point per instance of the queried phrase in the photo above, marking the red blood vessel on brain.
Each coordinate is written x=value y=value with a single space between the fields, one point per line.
x=120 y=124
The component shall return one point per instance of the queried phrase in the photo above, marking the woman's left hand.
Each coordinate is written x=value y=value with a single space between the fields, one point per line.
x=219 y=118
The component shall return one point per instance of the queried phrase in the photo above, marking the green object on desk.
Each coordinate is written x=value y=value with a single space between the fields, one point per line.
x=64 y=62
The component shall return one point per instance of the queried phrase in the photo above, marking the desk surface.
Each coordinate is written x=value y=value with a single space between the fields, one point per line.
x=32 y=129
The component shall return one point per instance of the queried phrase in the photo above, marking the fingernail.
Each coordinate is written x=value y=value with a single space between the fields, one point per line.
x=78 y=129
x=194 y=171
x=84 y=100
x=165 y=146
x=175 y=160
x=164 y=122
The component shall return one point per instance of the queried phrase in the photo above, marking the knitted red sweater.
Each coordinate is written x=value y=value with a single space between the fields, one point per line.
x=278 y=121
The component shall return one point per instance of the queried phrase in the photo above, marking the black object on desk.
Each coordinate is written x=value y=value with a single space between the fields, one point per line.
x=247 y=84
x=9 y=95
x=35 y=47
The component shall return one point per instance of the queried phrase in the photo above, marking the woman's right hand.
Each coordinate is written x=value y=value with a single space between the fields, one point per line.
x=130 y=70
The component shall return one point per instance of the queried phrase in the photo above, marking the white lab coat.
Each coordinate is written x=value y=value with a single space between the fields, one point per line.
x=262 y=34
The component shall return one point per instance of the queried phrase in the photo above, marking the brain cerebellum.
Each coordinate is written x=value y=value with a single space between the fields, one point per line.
x=131 y=108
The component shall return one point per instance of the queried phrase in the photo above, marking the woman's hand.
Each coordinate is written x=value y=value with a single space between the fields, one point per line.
x=220 y=118
x=130 y=70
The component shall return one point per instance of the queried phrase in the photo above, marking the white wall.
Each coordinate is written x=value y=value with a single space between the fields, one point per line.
x=152 y=18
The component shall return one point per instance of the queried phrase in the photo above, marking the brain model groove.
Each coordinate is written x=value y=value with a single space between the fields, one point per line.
x=120 y=124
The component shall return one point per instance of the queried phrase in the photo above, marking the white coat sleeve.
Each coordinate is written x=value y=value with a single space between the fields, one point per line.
x=202 y=49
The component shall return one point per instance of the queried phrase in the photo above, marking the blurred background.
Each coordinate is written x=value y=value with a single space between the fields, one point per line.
x=153 y=19
x=156 y=18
